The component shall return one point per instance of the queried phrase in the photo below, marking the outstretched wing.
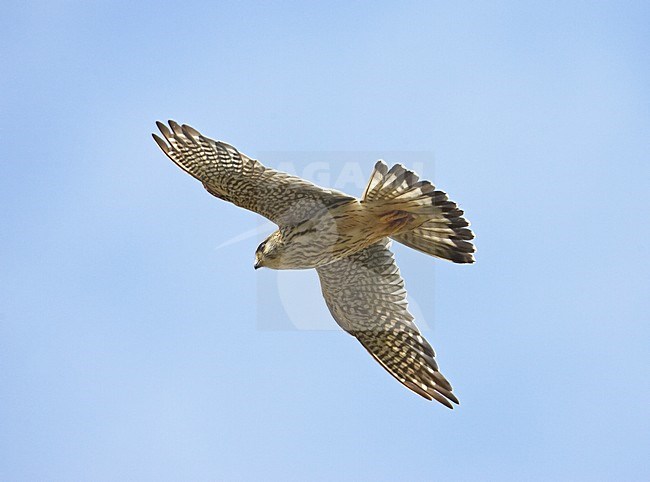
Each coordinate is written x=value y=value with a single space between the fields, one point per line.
x=366 y=296
x=230 y=175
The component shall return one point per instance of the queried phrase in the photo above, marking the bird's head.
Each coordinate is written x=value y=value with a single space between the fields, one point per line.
x=267 y=253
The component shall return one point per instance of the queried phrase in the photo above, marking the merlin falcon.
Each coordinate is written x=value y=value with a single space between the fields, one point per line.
x=346 y=239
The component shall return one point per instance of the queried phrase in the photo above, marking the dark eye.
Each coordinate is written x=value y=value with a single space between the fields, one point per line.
x=261 y=246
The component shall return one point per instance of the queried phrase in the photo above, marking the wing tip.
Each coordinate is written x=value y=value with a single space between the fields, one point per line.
x=190 y=130
x=432 y=393
x=161 y=143
x=443 y=399
x=164 y=130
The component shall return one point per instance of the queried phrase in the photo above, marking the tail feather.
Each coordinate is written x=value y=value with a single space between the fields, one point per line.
x=444 y=232
x=440 y=240
x=385 y=184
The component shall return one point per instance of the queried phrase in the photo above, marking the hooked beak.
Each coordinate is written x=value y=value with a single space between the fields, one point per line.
x=257 y=265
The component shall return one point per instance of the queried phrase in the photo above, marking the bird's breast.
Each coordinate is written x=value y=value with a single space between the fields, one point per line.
x=329 y=235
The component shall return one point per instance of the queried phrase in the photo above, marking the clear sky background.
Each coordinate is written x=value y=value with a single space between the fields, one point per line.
x=133 y=347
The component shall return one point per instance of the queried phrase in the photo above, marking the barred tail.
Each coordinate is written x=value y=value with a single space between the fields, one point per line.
x=444 y=233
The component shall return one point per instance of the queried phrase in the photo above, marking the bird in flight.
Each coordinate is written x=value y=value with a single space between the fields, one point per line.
x=347 y=241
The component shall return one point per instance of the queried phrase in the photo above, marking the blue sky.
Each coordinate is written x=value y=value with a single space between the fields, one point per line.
x=131 y=347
